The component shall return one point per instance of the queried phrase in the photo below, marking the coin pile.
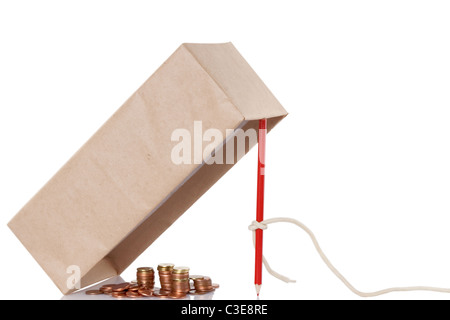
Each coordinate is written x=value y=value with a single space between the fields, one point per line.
x=165 y=276
x=203 y=284
x=145 y=277
x=180 y=280
x=175 y=284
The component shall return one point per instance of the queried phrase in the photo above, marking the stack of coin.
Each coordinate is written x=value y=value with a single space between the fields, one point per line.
x=145 y=277
x=203 y=284
x=175 y=283
x=180 y=280
x=165 y=276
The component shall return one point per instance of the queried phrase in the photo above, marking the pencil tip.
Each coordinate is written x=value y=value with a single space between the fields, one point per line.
x=258 y=289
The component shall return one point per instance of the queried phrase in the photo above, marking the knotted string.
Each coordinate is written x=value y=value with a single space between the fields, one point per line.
x=263 y=225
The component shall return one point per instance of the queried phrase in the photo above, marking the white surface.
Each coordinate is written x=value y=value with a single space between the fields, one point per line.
x=362 y=159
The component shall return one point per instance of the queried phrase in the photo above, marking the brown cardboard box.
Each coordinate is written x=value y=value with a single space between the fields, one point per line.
x=121 y=190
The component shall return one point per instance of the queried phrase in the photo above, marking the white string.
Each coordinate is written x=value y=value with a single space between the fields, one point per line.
x=263 y=225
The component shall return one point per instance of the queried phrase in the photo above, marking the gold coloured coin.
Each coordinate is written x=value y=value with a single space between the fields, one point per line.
x=180 y=269
x=145 y=269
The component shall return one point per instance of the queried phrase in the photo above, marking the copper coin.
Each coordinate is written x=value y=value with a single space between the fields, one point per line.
x=118 y=294
x=150 y=287
x=108 y=286
x=145 y=292
x=105 y=290
x=133 y=294
x=94 y=292
x=161 y=294
x=215 y=285
x=202 y=286
x=204 y=289
x=175 y=295
x=204 y=280
x=194 y=277
x=165 y=272
x=133 y=288
x=162 y=291
x=121 y=287
x=197 y=285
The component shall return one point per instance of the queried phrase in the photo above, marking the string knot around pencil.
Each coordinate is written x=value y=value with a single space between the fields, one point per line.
x=257 y=225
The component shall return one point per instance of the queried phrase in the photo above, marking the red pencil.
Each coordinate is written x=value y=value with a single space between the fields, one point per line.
x=260 y=203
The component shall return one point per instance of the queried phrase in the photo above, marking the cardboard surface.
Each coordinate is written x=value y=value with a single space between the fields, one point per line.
x=121 y=190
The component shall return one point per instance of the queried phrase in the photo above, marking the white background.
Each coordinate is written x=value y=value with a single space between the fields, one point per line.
x=362 y=159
